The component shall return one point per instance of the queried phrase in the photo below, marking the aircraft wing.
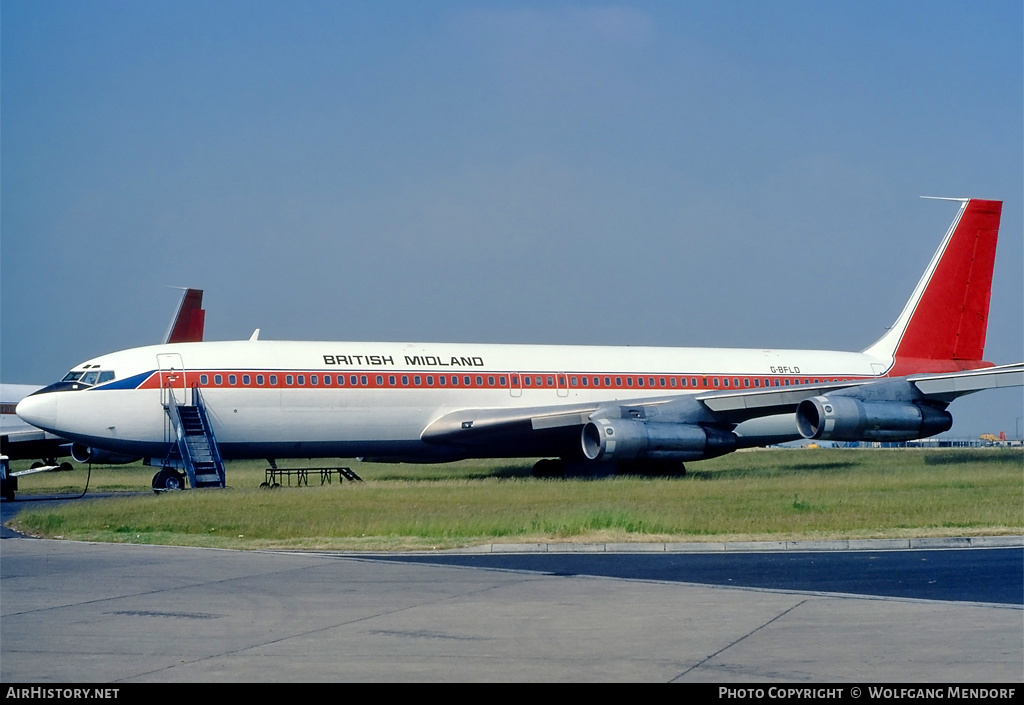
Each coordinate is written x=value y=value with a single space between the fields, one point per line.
x=470 y=428
x=949 y=386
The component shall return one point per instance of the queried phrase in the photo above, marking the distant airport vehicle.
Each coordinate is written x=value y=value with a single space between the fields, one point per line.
x=21 y=441
x=187 y=406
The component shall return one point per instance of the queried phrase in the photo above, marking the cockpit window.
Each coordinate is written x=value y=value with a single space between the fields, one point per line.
x=92 y=377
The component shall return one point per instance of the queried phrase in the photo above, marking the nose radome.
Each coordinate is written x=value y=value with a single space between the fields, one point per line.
x=40 y=410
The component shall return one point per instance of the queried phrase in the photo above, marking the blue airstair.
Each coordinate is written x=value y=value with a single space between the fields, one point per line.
x=196 y=449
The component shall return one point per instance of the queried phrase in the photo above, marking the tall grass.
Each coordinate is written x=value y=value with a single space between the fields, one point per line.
x=778 y=494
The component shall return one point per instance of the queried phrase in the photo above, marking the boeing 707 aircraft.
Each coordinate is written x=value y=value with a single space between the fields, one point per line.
x=189 y=405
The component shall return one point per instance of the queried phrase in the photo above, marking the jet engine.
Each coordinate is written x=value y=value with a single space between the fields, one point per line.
x=841 y=418
x=85 y=454
x=630 y=439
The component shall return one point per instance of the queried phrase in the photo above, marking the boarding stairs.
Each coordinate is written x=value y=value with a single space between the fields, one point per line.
x=196 y=449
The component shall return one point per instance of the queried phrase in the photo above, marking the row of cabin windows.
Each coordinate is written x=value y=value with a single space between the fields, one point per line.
x=502 y=381
x=360 y=380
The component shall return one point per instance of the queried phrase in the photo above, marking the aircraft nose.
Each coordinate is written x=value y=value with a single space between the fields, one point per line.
x=40 y=410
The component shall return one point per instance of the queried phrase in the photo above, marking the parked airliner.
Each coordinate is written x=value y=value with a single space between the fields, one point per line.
x=427 y=402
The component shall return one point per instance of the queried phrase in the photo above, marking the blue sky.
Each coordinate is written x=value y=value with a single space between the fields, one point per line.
x=736 y=174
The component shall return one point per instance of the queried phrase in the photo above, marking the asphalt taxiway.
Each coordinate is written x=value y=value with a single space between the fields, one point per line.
x=81 y=612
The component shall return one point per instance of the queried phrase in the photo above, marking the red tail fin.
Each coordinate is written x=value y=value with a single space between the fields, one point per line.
x=946 y=319
x=187 y=326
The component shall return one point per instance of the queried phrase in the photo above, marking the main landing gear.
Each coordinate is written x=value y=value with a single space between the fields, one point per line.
x=168 y=479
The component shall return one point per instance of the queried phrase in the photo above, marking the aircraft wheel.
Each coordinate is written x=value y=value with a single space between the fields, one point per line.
x=36 y=465
x=66 y=466
x=168 y=479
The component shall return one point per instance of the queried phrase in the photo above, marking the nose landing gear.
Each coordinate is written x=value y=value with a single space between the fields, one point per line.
x=168 y=479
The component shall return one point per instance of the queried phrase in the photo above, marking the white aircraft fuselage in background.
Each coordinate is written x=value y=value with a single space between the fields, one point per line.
x=441 y=401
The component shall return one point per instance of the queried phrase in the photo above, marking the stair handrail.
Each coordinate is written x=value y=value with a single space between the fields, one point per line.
x=179 y=435
x=200 y=403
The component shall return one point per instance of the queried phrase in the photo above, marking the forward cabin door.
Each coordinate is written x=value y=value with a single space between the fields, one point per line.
x=172 y=378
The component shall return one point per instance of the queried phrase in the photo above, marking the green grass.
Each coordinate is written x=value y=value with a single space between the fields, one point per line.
x=763 y=495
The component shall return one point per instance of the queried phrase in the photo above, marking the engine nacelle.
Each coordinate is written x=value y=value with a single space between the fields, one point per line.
x=841 y=418
x=630 y=439
x=85 y=454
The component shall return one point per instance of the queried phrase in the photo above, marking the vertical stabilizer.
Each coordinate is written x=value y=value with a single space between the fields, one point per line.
x=943 y=326
x=188 y=324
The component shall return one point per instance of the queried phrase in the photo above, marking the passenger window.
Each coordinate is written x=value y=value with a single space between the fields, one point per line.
x=380 y=380
x=416 y=380
x=289 y=380
x=259 y=380
x=273 y=380
x=314 y=379
x=246 y=380
x=430 y=380
x=479 y=381
x=466 y=382
x=327 y=380
x=218 y=379
x=391 y=380
x=363 y=380
x=232 y=379
x=204 y=380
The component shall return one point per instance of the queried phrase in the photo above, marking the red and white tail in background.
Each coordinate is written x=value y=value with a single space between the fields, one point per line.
x=943 y=326
x=187 y=325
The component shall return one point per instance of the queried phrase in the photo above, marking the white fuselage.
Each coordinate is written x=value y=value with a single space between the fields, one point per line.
x=329 y=399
